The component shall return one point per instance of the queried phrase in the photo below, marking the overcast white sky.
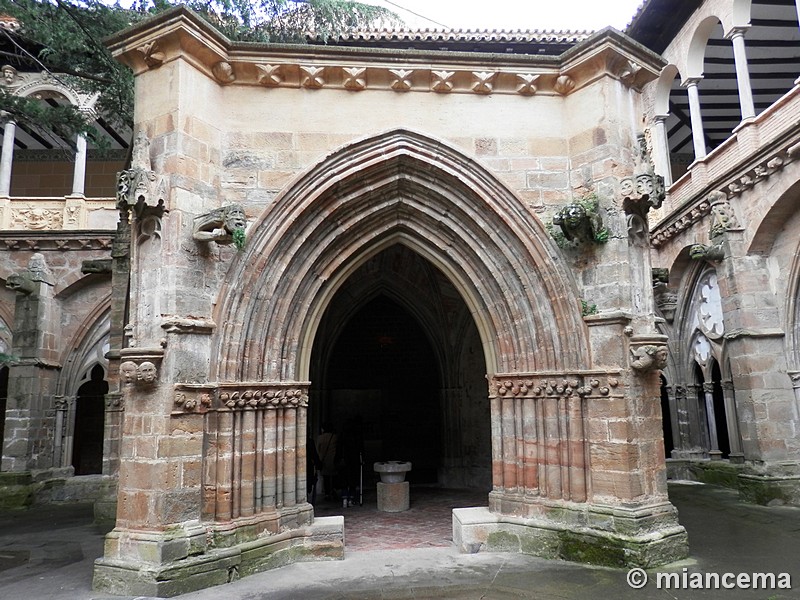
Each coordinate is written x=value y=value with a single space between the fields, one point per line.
x=514 y=14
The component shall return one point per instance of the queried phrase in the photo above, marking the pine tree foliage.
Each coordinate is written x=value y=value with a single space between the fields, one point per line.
x=65 y=38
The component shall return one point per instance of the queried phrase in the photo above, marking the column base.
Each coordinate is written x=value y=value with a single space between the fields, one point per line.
x=771 y=484
x=164 y=565
x=645 y=537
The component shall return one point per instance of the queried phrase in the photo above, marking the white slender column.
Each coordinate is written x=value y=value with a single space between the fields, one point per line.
x=698 y=137
x=661 y=149
x=797 y=2
x=7 y=157
x=742 y=72
x=79 y=172
x=708 y=392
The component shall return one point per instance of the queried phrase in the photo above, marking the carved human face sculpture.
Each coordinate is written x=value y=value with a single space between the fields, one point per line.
x=147 y=372
x=9 y=74
x=127 y=372
x=661 y=357
x=235 y=219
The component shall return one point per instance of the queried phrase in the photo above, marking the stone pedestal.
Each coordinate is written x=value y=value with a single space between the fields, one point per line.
x=393 y=497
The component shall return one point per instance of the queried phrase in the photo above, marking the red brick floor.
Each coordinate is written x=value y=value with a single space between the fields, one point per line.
x=427 y=523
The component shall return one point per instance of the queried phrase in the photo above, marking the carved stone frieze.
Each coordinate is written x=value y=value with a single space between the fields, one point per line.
x=763 y=170
x=201 y=398
x=537 y=385
x=45 y=240
x=36 y=218
x=695 y=211
x=682 y=223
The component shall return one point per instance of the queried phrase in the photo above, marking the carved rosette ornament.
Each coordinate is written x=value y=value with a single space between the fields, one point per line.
x=151 y=54
x=442 y=81
x=402 y=80
x=312 y=77
x=599 y=385
x=527 y=83
x=355 y=78
x=269 y=75
x=482 y=82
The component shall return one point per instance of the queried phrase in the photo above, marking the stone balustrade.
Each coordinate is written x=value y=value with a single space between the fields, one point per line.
x=757 y=148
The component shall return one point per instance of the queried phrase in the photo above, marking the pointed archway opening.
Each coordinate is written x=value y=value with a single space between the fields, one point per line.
x=397 y=373
x=87 y=448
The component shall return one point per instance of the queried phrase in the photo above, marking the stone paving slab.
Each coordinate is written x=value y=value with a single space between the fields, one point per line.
x=725 y=536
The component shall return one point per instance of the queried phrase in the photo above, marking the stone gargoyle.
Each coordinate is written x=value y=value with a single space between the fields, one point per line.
x=713 y=253
x=578 y=224
x=21 y=283
x=220 y=225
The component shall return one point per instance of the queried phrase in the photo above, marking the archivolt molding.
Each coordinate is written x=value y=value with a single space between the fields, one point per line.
x=398 y=187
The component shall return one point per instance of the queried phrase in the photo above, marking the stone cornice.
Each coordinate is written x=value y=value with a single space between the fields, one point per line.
x=181 y=34
x=62 y=240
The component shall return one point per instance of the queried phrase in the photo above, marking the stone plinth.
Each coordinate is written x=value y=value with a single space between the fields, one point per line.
x=393 y=497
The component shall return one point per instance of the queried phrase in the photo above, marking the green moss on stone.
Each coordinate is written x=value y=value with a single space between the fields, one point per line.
x=503 y=541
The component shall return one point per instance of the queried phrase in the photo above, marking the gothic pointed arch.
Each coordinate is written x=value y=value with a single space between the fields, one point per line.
x=397 y=188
